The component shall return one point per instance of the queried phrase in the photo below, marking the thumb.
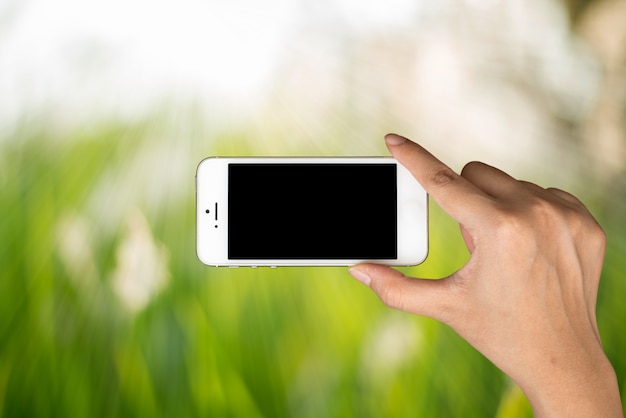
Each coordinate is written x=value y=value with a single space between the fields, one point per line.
x=418 y=296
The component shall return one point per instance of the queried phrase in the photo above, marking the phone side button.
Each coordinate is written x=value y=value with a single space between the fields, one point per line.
x=272 y=267
x=254 y=267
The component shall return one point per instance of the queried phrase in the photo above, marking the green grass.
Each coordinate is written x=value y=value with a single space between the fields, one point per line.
x=82 y=214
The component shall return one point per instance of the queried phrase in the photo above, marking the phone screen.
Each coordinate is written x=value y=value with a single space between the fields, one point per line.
x=312 y=211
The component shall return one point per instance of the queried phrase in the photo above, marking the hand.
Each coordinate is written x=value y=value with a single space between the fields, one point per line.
x=526 y=298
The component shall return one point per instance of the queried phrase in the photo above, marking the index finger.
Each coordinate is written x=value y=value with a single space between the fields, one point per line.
x=457 y=196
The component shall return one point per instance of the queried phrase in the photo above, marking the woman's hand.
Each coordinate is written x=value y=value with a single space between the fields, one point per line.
x=526 y=299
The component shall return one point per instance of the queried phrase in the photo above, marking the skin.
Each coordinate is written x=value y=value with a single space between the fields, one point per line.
x=526 y=299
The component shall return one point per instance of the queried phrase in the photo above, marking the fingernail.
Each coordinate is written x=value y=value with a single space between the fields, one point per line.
x=360 y=276
x=393 y=139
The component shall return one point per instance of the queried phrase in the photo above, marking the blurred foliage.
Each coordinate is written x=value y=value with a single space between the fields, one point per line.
x=200 y=341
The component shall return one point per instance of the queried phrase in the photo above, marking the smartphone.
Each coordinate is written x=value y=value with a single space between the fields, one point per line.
x=281 y=211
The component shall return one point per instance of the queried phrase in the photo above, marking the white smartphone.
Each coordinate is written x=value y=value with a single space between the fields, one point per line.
x=281 y=211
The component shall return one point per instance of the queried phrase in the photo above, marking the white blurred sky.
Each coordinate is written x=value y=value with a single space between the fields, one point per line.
x=475 y=79
x=124 y=56
x=489 y=65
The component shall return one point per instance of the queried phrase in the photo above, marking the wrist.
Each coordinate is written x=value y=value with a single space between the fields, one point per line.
x=579 y=389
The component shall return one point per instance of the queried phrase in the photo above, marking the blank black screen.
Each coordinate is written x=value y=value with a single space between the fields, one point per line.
x=312 y=211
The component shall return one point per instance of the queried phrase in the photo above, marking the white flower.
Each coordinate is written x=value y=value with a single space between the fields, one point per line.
x=141 y=271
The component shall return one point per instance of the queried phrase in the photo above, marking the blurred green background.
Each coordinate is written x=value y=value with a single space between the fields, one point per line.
x=106 y=110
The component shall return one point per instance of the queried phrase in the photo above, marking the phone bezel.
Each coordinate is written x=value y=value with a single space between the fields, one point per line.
x=212 y=233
